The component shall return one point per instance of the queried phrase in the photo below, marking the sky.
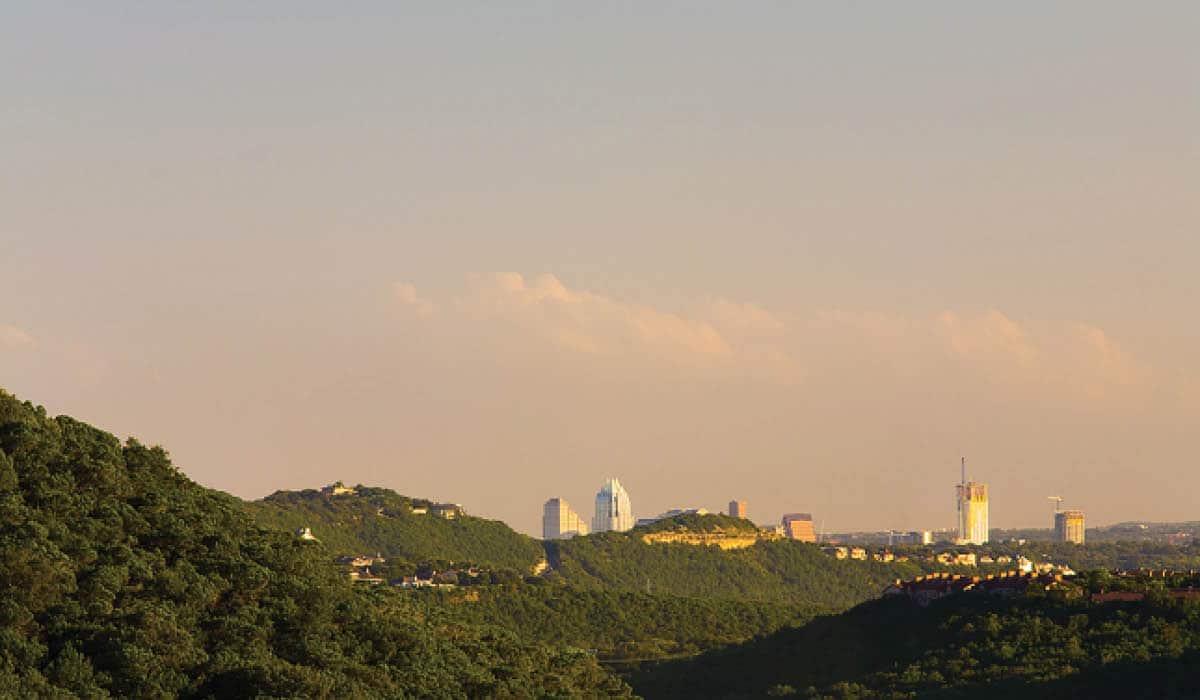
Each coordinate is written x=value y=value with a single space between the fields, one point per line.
x=802 y=255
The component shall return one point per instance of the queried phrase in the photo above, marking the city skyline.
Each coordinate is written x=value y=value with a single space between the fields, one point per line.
x=971 y=526
x=466 y=255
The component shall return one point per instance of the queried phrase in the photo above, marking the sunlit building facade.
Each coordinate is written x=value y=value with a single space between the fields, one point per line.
x=799 y=526
x=1068 y=526
x=737 y=509
x=972 y=513
x=559 y=522
x=613 y=510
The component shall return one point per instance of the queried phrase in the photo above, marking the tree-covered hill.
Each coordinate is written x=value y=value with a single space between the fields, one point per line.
x=963 y=646
x=119 y=577
x=620 y=626
x=707 y=523
x=376 y=520
x=781 y=571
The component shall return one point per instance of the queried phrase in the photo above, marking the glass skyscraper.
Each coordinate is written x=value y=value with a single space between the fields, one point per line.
x=613 y=511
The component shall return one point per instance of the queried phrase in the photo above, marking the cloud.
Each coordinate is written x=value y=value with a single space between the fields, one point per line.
x=890 y=352
x=1045 y=359
x=1096 y=366
x=13 y=338
x=406 y=294
x=992 y=334
x=580 y=321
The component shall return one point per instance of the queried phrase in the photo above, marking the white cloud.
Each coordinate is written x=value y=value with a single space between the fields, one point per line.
x=887 y=351
x=1044 y=359
x=591 y=323
x=992 y=334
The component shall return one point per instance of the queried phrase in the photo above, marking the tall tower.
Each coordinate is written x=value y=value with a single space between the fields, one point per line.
x=972 y=510
x=559 y=522
x=737 y=509
x=613 y=510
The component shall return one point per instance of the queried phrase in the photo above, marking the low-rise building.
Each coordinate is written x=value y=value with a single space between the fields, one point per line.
x=338 y=489
x=915 y=538
x=837 y=552
x=365 y=575
x=925 y=589
x=447 y=511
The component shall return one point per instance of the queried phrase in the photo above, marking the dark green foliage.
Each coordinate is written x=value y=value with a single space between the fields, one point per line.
x=618 y=625
x=968 y=645
x=120 y=577
x=781 y=571
x=376 y=520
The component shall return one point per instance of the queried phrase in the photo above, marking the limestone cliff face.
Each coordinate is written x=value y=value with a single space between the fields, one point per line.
x=720 y=539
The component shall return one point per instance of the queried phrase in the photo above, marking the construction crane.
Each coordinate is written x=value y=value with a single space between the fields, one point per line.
x=1057 y=502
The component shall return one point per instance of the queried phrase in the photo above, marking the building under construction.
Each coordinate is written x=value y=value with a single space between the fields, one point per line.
x=972 y=510
x=1068 y=526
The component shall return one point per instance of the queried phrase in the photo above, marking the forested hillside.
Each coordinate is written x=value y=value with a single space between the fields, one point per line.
x=780 y=571
x=617 y=625
x=964 y=646
x=120 y=577
x=376 y=520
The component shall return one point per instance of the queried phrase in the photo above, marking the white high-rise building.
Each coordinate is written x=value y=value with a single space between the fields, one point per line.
x=972 y=500
x=613 y=511
x=559 y=522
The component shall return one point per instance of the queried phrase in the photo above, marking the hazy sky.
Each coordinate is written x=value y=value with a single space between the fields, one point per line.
x=801 y=255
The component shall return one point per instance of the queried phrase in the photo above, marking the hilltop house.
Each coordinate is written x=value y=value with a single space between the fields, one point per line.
x=338 y=489
x=447 y=511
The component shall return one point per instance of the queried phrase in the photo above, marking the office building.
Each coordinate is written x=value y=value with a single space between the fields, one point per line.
x=972 y=500
x=613 y=510
x=1068 y=526
x=799 y=526
x=916 y=537
x=559 y=522
x=737 y=509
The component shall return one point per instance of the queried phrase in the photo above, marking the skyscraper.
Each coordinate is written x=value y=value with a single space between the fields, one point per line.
x=972 y=510
x=1068 y=526
x=799 y=526
x=738 y=509
x=613 y=511
x=559 y=522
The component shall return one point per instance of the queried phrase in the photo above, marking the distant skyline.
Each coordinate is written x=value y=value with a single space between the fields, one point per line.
x=802 y=256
